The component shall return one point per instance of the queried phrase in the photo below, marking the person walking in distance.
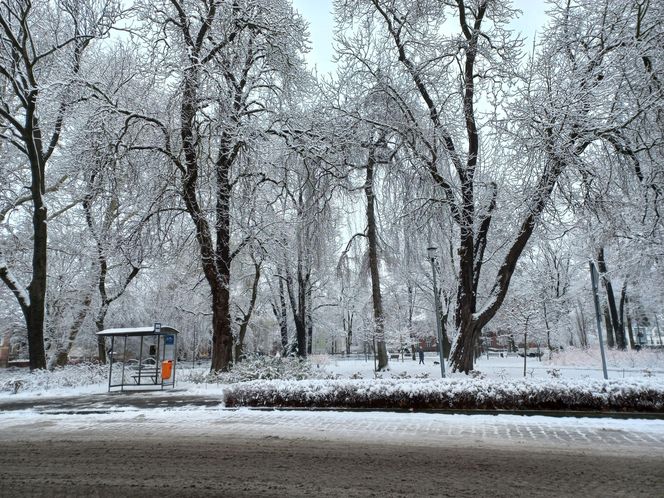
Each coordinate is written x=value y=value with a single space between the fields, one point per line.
x=421 y=353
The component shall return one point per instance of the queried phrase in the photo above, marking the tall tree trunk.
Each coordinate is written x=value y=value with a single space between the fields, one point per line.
x=246 y=316
x=283 y=319
x=280 y=311
x=525 y=348
x=548 y=330
x=101 y=350
x=447 y=344
x=581 y=328
x=61 y=356
x=348 y=321
x=37 y=289
x=623 y=304
x=222 y=337
x=372 y=237
x=618 y=330
x=610 y=342
x=411 y=309
x=298 y=307
x=629 y=324
x=309 y=322
x=100 y=320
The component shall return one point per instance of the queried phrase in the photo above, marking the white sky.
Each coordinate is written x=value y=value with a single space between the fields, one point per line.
x=321 y=24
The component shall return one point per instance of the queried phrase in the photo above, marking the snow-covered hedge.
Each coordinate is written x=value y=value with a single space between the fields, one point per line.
x=460 y=394
x=19 y=380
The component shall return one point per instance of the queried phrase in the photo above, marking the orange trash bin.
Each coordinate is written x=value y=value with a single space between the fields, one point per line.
x=166 y=369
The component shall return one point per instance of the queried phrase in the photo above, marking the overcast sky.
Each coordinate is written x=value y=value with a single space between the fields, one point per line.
x=318 y=14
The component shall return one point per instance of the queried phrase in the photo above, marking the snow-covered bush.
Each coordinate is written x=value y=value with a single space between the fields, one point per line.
x=459 y=394
x=196 y=376
x=405 y=375
x=260 y=367
x=554 y=372
x=18 y=380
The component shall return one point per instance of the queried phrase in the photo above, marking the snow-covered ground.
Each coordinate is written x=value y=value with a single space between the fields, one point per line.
x=186 y=451
x=575 y=364
x=416 y=428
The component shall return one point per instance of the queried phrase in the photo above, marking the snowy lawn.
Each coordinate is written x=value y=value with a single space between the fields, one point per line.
x=571 y=364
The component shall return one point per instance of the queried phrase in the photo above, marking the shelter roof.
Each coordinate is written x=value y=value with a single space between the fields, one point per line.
x=137 y=331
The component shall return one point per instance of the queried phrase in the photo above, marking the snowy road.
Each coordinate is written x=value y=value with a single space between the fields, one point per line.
x=204 y=450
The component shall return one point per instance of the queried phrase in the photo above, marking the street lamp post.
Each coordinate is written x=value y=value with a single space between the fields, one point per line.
x=432 y=258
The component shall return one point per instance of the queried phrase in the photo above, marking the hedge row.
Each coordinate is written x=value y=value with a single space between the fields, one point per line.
x=452 y=394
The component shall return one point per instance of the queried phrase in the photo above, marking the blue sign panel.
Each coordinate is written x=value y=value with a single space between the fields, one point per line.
x=169 y=339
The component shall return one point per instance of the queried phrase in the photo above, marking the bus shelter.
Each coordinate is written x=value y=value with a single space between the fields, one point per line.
x=141 y=356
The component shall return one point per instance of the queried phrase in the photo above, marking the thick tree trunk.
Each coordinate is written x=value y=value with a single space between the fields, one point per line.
x=222 y=335
x=463 y=355
x=37 y=287
x=301 y=336
x=222 y=339
x=372 y=237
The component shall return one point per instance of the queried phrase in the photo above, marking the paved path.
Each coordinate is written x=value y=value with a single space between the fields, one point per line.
x=184 y=450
